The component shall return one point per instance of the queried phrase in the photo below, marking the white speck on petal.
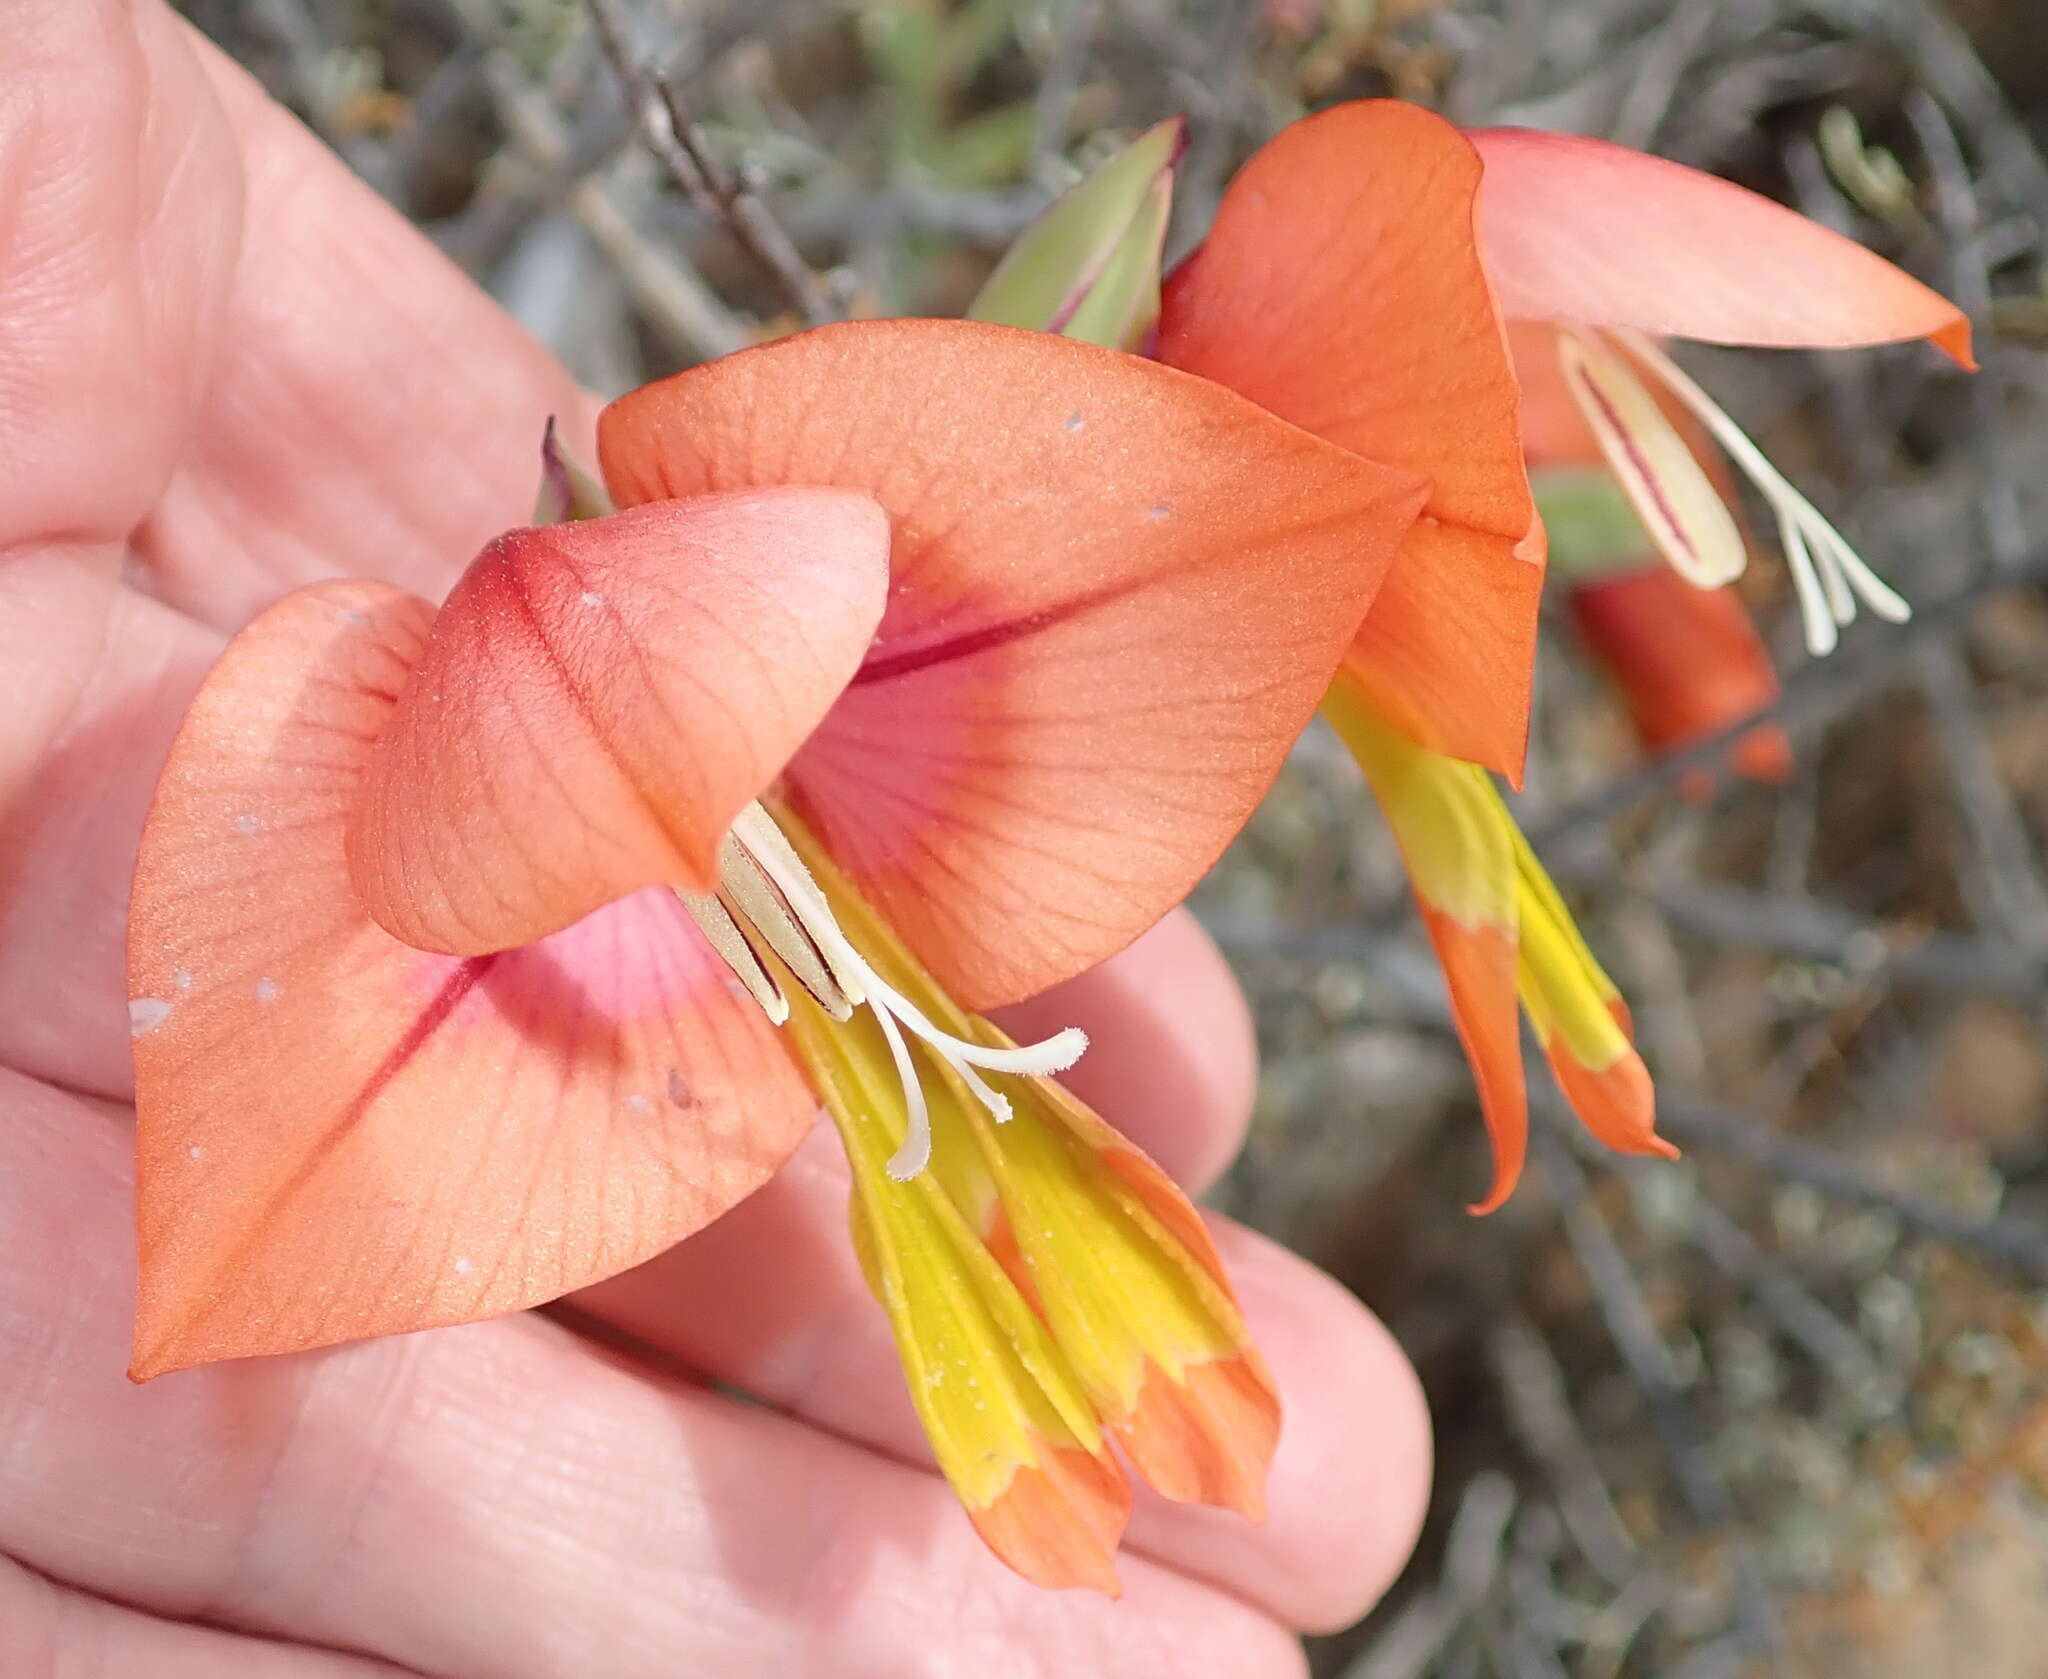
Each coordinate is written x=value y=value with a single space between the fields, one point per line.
x=463 y=1267
x=182 y=979
x=1073 y=422
x=1159 y=510
x=146 y=1014
x=246 y=824
x=266 y=991
x=638 y=1104
x=590 y=597
x=197 y=1151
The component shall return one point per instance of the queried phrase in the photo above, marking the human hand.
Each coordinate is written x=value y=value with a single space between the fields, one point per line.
x=226 y=369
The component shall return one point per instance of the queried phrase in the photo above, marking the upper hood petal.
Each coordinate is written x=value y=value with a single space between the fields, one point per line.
x=1585 y=231
x=1117 y=593
x=597 y=701
x=1341 y=287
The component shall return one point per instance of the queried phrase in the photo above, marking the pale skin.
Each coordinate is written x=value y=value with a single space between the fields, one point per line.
x=226 y=369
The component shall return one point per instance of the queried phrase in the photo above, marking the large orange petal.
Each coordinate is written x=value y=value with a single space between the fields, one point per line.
x=598 y=700
x=342 y=1136
x=1585 y=231
x=1341 y=287
x=1116 y=594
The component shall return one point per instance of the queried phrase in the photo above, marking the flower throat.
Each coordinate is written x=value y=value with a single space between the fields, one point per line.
x=772 y=924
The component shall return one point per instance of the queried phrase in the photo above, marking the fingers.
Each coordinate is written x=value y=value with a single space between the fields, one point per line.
x=121 y=192
x=372 y=413
x=208 y=322
x=98 y=677
x=50 y=1630
x=498 y=1500
x=1171 y=1060
x=770 y=1300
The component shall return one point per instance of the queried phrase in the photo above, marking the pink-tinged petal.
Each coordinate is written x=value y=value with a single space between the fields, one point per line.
x=1117 y=593
x=342 y=1136
x=1341 y=287
x=597 y=701
x=1591 y=233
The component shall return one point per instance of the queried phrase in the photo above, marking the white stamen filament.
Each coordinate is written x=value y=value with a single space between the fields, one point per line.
x=770 y=851
x=1827 y=573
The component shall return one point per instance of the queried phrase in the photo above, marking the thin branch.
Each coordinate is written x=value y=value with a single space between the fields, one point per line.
x=2011 y=1241
x=1648 y=1360
x=1532 y=1388
x=666 y=131
x=1808 y=930
x=1799 y=1312
x=1061 y=81
x=682 y=307
x=1413 y=1644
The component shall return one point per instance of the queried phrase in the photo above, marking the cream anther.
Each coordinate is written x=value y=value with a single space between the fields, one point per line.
x=767 y=897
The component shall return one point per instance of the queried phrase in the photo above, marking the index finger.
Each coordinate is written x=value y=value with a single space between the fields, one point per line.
x=370 y=413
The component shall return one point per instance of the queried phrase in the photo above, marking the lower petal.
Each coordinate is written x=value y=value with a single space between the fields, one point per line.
x=342 y=1136
x=1479 y=974
x=1581 y=1019
x=1059 y=1520
x=1123 y=1268
x=1009 y=1425
x=1142 y=1335
x=1615 y=1100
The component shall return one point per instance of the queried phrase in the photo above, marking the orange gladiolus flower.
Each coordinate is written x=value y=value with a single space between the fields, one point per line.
x=1356 y=281
x=478 y=954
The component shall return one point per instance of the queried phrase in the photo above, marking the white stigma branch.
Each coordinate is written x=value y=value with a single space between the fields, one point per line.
x=766 y=890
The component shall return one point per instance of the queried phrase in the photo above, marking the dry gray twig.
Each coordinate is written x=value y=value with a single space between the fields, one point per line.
x=666 y=130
